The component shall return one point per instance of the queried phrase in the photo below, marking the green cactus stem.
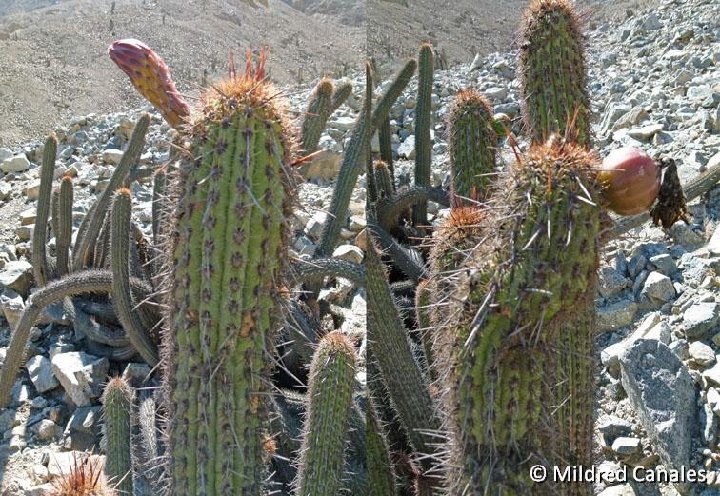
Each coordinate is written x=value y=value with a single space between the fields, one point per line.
x=92 y=223
x=390 y=209
x=317 y=114
x=423 y=123
x=406 y=259
x=341 y=92
x=472 y=143
x=229 y=244
x=516 y=362
x=117 y=401
x=332 y=378
x=386 y=155
x=383 y=179
x=63 y=235
x=121 y=295
x=552 y=73
x=380 y=467
x=329 y=267
x=39 y=238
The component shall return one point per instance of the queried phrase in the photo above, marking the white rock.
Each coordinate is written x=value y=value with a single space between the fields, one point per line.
x=349 y=253
x=18 y=163
x=407 y=148
x=701 y=354
x=80 y=375
x=112 y=156
x=41 y=373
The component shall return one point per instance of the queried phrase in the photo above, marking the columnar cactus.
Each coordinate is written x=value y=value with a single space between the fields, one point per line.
x=317 y=113
x=117 y=401
x=472 y=140
x=332 y=378
x=423 y=123
x=517 y=359
x=552 y=73
x=229 y=242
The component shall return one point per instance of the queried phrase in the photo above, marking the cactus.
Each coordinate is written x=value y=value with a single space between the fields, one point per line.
x=380 y=469
x=552 y=73
x=341 y=92
x=63 y=235
x=383 y=179
x=117 y=400
x=332 y=377
x=423 y=123
x=150 y=75
x=39 y=238
x=317 y=114
x=517 y=362
x=472 y=142
x=229 y=244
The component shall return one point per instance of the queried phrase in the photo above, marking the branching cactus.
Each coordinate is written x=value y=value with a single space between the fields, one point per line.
x=332 y=378
x=234 y=190
x=516 y=350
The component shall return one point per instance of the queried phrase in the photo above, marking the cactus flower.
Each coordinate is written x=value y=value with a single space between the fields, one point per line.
x=151 y=77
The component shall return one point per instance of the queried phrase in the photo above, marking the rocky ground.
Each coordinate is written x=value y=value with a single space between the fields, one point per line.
x=655 y=84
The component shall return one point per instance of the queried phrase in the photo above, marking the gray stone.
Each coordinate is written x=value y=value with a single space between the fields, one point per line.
x=12 y=305
x=664 y=264
x=658 y=287
x=636 y=115
x=646 y=132
x=611 y=282
x=662 y=392
x=82 y=431
x=626 y=445
x=636 y=264
x=5 y=153
x=45 y=430
x=712 y=375
x=701 y=354
x=17 y=276
x=136 y=374
x=80 y=374
x=5 y=190
x=700 y=318
x=41 y=373
x=616 y=315
x=316 y=225
x=708 y=424
x=324 y=166
x=112 y=156
x=349 y=253
x=32 y=190
x=407 y=148
x=612 y=427
x=621 y=490
x=18 y=163
x=713 y=245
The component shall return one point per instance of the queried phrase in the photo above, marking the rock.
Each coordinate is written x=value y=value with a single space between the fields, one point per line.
x=624 y=446
x=612 y=427
x=616 y=315
x=45 y=430
x=701 y=354
x=658 y=287
x=17 y=276
x=316 y=225
x=662 y=392
x=611 y=282
x=700 y=318
x=664 y=264
x=407 y=148
x=41 y=373
x=80 y=375
x=5 y=153
x=112 y=156
x=12 y=305
x=61 y=462
x=82 y=431
x=32 y=190
x=646 y=132
x=621 y=490
x=24 y=233
x=136 y=374
x=708 y=424
x=18 y=163
x=713 y=245
x=634 y=116
x=342 y=123
x=349 y=253
x=5 y=190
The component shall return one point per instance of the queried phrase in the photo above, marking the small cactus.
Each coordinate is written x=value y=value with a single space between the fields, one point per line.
x=117 y=401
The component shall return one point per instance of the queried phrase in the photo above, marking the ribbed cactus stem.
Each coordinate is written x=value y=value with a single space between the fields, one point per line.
x=423 y=299
x=389 y=343
x=380 y=467
x=121 y=295
x=89 y=281
x=472 y=142
x=63 y=235
x=423 y=123
x=93 y=221
x=317 y=114
x=341 y=92
x=158 y=203
x=39 y=238
x=329 y=267
x=383 y=179
x=517 y=362
x=332 y=377
x=552 y=73
x=117 y=401
x=228 y=250
x=386 y=154
x=390 y=209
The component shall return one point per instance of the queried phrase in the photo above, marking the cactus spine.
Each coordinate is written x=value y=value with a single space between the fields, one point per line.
x=517 y=364
x=423 y=122
x=234 y=191
x=552 y=73
x=472 y=142
x=117 y=401
x=332 y=377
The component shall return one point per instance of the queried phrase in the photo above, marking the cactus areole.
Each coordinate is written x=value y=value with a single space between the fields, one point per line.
x=228 y=243
x=630 y=179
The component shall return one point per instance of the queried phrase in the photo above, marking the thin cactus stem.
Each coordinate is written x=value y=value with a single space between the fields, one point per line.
x=386 y=155
x=402 y=257
x=329 y=267
x=317 y=114
x=117 y=401
x=63 y=235
x=121 y=295
x=390 y=209
x=39 y=238
x=93 y=221
x=341 y=92
x=423 y=123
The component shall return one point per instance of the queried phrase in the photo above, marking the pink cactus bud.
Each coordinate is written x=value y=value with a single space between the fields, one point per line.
x=151 y=77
